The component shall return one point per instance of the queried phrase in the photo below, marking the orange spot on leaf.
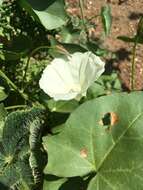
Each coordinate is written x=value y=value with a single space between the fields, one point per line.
x=114 y=118
x=84 y=153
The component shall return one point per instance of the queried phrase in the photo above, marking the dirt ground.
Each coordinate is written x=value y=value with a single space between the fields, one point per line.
x=126 y=14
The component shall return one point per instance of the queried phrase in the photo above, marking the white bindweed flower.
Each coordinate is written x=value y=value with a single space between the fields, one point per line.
x=69 y=77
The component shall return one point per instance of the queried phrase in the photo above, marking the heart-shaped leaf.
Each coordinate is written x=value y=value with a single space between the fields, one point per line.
x=102 y=136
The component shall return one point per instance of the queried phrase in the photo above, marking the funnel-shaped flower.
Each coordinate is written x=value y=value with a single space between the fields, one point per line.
x=69 y=77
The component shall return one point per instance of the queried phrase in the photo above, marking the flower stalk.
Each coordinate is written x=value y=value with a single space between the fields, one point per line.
x=81 y=6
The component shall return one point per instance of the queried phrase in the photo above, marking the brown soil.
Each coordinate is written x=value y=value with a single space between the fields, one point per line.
x=126 y=14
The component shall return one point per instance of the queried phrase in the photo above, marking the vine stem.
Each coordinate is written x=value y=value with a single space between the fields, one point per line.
x=28 y=61
x=81 y=9
x=133 y=66
x=15 y=107
x=34 y=51
x=24 y=96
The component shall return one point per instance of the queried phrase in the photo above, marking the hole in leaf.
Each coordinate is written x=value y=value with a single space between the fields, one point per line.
x=109 y=118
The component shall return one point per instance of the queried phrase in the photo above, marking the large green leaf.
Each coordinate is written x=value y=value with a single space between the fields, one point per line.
x=14 y=146
x=15 y=150
x=50 y=13
x=102 y=136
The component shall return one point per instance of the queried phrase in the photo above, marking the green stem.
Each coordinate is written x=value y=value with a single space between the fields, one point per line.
x=24 y=96
x=93 y=17
x=81 y=9
x=28 y=61
x=15 y=107
x=81 y=6
x=133 y=66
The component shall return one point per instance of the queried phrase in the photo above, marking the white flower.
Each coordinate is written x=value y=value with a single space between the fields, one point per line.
x=69 y=77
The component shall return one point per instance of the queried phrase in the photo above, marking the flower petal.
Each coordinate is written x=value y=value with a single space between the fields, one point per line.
x=52 y=81
x=90 y=70
x=57 y=81
x=69 y=77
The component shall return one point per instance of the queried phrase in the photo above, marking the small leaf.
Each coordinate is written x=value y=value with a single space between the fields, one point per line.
x=95 y=90
x=135 y=39
x=95 y=48
x=62 y=106
x=72 y=48
x=126 y=39
x=106 y=18
x=69 y=35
